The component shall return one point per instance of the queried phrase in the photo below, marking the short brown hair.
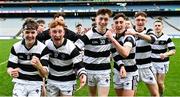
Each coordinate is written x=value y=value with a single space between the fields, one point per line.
x=104 y=11
x=40 y=21
x=78 y=25
x=30 y=24
x=140 y=13
x=119 y=15
x=55 y=23
x=59 y=14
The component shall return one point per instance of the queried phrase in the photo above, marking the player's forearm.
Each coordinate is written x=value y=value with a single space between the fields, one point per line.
x=9 y=70
x=42 y=71
x=120 y=49
x=170 y=53
x=143 y=36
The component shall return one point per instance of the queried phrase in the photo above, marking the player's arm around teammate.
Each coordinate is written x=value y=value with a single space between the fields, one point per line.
x=144 y=38
x=125 y=46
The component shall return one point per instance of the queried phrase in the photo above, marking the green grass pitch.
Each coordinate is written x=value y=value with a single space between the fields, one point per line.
x=172 y=81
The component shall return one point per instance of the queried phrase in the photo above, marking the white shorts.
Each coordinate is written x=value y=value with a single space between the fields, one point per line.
x=101 y=80
x=26 y=90
x=128 y=83
x=58 y=88
x=161 y=68
x=147 y=75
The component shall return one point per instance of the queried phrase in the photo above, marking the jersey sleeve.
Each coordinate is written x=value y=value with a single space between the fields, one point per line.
x=152 y=35
x=82 y=41
x=131 y=39
x=77 y=61
x=170 y=44
x=13 y=59
x=45 y=58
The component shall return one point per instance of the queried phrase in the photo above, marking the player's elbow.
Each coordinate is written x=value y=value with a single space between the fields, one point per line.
x=125 y=55
x=44 y=73
x=173 y=52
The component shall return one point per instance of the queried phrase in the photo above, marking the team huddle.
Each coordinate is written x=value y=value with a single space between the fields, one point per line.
x=138 y=53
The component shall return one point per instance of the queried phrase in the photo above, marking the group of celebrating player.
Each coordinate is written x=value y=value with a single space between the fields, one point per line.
x=138 y=53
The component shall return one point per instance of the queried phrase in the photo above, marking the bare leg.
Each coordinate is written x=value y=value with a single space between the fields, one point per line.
x=119 y=92
x=153 y=88
x=160 y=81
x=92 y=91
x=103 y=91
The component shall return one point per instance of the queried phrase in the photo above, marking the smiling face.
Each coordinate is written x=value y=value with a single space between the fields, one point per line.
x=158 y=26
x=102 y=18
x=119 y=21
x=30 y=36
x=119 y=24
x=30 y=32
x=140 y=22
x=57 y=34
x=102 y=21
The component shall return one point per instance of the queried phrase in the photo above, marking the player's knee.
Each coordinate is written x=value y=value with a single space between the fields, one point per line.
x=155 y=94
x=160 y=83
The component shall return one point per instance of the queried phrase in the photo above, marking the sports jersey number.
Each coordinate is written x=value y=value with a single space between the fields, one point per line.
x=102 y=41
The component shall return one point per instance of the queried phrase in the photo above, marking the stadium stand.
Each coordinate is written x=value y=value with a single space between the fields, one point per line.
x=80 y=11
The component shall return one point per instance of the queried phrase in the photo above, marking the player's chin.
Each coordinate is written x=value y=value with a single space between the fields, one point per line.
x=141 y=26
x=30 y=41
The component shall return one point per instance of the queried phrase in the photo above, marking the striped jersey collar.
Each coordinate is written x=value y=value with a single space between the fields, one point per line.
x=136 y=30
x=120 y=35
x=160 y=35
x=23 y=43
x=64 y=43
x=95 y=31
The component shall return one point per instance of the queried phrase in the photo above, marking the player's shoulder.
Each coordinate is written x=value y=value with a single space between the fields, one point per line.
x=17 y=44
x=42 y=45
x=47 y=42
x=69 y=43
x=90 y=33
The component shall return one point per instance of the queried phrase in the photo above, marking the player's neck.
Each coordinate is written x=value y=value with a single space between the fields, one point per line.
x=29 y=45
x=159 y=34
x=101 y=29
x=120 y=32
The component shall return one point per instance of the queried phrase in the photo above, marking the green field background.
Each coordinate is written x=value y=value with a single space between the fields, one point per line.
x=172 y=81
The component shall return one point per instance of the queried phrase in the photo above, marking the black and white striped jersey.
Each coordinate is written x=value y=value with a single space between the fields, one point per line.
x=96 y=50
x=162 y=45
x=65 y=61
x=129 y=62
x=21 y=56
x=143 y=49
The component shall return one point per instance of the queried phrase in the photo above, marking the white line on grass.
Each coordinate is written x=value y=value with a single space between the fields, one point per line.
x=3 y=62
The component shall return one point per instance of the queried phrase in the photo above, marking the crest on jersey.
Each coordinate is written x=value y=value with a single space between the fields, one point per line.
x=56 y=54
x=62 y=56
x=28 y=56
x=161 y=42
x=156 y=42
